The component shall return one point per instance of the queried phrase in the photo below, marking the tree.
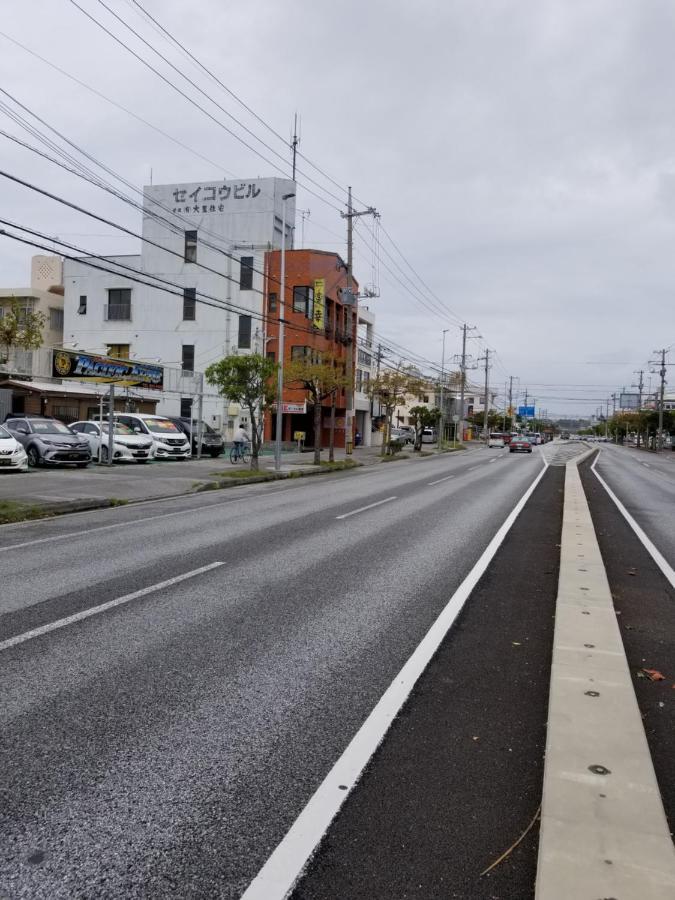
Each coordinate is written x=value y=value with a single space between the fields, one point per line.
x=20 y=329
x=249 y=381
x=320 y=376
x=423 y=417
x=391 y=388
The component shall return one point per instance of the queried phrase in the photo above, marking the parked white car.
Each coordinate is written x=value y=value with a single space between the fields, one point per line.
x=12 y=455
x=169 y=442
x=127 y=445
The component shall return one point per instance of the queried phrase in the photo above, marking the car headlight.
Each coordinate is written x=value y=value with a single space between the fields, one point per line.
x=19 y=451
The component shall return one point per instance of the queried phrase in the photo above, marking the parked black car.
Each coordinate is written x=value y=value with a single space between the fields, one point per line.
x=212 y=442
x=48 y=441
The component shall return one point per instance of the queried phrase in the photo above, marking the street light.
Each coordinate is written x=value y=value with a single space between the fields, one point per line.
x=280 y=371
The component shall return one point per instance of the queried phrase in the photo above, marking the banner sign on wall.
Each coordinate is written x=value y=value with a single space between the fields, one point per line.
x=92 y=368
x=319 y=303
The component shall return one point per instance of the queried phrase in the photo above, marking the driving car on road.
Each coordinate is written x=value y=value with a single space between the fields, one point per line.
x=127 y=445
x=520 y=444
x=48 y=441
x=496 y=439
x=12 y=455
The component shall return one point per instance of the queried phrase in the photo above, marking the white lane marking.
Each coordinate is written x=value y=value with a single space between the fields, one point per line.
x=364 y=508
x=95 y=610
x=447 y=477
x=655 y=554
x=284 y=867
x=493 y=460
x=472 y=468
x=646 y=465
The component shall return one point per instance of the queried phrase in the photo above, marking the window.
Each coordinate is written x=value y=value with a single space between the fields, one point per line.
x=271 y=355
x=191 y=246
x=246 y=274
x=299 y=354
x=425 y=398
x=186 y=407
x=119 y=305
x=359 y=379
x=188 y=357
x=82 y=308
x=272 y=303
x=303 y=300
x=469 y=399
x=189 y=304
x=119 y=351
x=55 y=319
x=244 y=342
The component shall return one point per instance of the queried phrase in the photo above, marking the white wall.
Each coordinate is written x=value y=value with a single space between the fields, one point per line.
x=243 y=219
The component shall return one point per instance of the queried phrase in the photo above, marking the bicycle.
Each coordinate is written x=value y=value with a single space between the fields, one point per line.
x=240 y=454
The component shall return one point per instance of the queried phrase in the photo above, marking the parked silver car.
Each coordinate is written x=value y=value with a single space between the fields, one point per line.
x=48 y=441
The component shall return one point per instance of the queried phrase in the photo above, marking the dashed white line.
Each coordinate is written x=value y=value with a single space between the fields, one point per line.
x=364 y=508
x=493 y=460
x=447 y=478
x=111 y=604
x=646 y=465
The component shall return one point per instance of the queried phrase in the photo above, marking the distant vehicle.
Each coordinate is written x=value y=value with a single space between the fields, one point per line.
x=127 y=445
x=565 y=436
x=410 y=431
x=429 y=436
x=398 y=437
x=212 y=441
x=48 y=441
x=496 y=439
x=12 y=455
x=520 y=444
x=169 y=441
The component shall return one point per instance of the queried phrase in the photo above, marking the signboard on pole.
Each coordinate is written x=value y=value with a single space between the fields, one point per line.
x=318 y=319
x=92 y=368
x=527 y=412
x=629 y=401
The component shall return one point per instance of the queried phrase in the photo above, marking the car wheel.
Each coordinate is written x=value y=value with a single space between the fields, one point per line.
x=142 y=462
x=104 y=454
x=215 y=454
x=33 y=457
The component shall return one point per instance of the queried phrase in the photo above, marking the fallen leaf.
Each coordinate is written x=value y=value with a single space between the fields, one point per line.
x=654 y=675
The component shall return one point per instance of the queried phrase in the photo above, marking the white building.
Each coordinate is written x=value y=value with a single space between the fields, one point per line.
x=45 y=295
x=206 y=241
x=365 y=369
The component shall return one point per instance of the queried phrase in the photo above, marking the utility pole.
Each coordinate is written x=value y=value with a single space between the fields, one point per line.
x=487 y=388
x=640 y=386
x=351 y=300
x=282 y=321
x=442 y=419
x=511 y=398
x=662 y=373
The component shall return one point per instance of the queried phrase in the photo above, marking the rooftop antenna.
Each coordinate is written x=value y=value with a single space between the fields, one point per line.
x=304 y=214
x=295 y=141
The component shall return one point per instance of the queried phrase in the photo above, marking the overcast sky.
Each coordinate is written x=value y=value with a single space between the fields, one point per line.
x=521 y=154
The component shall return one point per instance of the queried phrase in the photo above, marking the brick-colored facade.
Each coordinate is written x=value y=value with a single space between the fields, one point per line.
x=338 y=337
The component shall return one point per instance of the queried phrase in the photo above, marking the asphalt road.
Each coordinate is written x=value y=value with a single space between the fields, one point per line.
x=645 y=484
x=163 y=748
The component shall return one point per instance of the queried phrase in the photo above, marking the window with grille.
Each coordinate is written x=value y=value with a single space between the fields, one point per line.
x=246 y=274
x=189 y=304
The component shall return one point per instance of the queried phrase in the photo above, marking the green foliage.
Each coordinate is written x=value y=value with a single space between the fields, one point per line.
x=422 y=417
x=249 y=381
x=21 y=329
x=391 y=388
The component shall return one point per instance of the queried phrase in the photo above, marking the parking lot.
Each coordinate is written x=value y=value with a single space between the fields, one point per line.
x=128 y=481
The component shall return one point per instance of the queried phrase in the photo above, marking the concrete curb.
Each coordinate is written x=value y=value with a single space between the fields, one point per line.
x=604 y=833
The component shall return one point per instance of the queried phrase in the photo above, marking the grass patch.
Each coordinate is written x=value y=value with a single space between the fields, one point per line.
x=11 y=511
x=340 y=464
x=117 y=501
x=240 y=473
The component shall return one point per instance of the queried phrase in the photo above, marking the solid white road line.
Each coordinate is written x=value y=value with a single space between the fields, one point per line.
x=447 y=478
x=646 y=465
x=284 y=867
x=364 y=508
x=655 y=554
x=494 y=460
x=111 y=604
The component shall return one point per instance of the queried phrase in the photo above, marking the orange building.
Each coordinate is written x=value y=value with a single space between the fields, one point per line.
x=316 y=319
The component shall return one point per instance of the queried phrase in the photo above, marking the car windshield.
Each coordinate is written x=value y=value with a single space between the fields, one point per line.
x=119 y=428
x=4 y=433
x=49 y=426
x=206 y=429
x=162 y=426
